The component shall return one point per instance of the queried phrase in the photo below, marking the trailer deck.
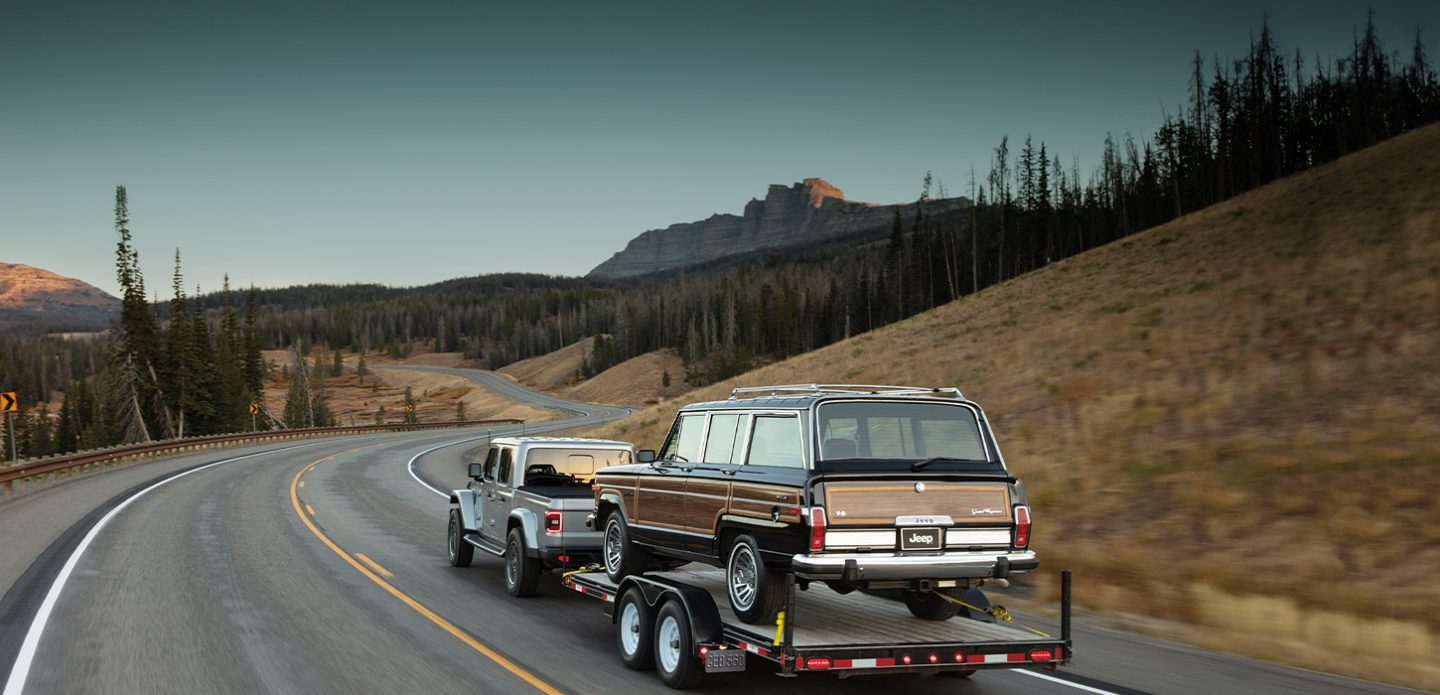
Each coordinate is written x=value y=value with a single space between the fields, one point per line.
x=849 y=634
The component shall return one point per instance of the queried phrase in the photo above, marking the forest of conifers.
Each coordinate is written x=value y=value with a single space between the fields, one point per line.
x=1245 y=122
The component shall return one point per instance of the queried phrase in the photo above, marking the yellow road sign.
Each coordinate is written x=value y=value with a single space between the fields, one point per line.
x=409 y=407
x=254 y=408
x=8 y=402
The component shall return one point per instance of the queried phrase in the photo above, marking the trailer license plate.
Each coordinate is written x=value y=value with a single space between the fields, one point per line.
x=724 y=660
x=921 y=539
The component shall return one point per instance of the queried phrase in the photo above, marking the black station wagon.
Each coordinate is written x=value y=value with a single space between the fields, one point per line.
x=862 y=487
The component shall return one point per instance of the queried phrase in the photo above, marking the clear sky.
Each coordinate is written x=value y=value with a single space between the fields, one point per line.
x=411 y=142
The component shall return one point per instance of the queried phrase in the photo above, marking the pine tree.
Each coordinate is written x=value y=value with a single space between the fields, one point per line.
x=361 y=369
x=254 y=359
x=460 y=410
x=337 y=366
x=380 y=416
x=67 y=439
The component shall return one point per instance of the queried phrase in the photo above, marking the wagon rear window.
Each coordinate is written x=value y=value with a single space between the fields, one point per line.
x=899 y=431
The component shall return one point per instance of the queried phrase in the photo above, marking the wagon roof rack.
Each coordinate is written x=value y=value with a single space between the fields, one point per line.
x=867 y=389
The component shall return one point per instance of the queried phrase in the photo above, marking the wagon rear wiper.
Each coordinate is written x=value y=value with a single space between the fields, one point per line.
x=941 y=459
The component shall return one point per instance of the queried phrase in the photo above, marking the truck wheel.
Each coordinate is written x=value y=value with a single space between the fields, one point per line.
x=756 y=592
x=622 y=558
x=635 y=631
x=522 y=572
x=928 y=605
x=675 y=656
x=461 y=552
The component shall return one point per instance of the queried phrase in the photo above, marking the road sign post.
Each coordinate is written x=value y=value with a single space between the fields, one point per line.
x=254 y=410
x=9 y=403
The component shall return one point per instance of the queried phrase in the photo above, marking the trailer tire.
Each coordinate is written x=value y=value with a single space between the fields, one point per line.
x=622 y=558
x=461 y=552
x=675 y=656
x=928 y=605
x=756 y=592
x=635 y=631
x=522 y=572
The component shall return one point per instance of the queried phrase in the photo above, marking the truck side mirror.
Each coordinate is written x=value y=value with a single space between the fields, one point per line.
x=645 y=456
x=474 y=471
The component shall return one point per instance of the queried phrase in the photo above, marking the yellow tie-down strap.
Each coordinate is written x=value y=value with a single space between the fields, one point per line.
x=779 y=628
x=996 y=611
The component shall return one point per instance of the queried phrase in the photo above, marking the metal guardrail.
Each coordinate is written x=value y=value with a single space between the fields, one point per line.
x=77 y=463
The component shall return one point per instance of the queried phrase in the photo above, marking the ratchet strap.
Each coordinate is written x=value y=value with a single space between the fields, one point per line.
x=995 y=610
x=587 y=568
x=779 y=628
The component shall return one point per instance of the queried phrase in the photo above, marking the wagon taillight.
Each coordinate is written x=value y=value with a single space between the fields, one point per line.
x=1022 y=527
x=817 y=528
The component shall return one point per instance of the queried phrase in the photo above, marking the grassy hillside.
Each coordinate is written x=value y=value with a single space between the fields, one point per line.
x=636 y=381
x=552 y=371
x=1232 y=419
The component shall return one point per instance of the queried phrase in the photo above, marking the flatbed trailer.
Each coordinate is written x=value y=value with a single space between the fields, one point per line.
x=680 y=622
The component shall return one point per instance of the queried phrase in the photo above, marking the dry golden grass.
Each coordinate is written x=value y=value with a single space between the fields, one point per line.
x=636 y=381
x=554 y=371
x=1246 y=399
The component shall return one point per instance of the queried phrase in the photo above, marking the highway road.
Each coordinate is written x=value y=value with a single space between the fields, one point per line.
x=320 y=566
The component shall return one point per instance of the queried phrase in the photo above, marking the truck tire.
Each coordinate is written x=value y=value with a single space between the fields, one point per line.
x=522 y=572
x=756 y=592
x=675 y=656
x=461 y=552
x=622 y=558
x=635 y=630
x=928 y=605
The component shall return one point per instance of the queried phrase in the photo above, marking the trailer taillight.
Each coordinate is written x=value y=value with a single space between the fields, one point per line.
x=1022 y=527
x=1041 y=655
x=554 y=522
x=817 y=528
x=819 y=664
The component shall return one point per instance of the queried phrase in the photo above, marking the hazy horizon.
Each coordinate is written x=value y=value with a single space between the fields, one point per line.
x=398 y=145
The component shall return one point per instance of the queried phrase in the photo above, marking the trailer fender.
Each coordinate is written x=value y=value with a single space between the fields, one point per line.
x=466 y=500
x=705 y=625
x=529 y=529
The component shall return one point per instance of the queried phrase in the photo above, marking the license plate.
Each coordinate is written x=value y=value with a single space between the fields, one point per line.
x=922 y=539
x=724 y=660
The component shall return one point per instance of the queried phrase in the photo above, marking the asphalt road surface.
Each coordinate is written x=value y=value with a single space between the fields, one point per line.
x=321 y=567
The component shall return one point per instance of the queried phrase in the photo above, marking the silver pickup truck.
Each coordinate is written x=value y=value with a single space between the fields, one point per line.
x=527 y=503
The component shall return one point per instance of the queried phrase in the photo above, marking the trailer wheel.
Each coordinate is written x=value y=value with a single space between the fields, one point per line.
x=930 y=605
x=756 y=593
x=635 y=631
x=522 y=572
x=622 y=558
x=461 y=553
x=675 y=656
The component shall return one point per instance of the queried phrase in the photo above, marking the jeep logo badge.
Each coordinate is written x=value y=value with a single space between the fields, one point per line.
x=919 y=487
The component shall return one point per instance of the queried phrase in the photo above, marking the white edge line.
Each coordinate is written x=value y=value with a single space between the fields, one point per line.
x=410 y=466
x=15 y=685
x=1062 y=681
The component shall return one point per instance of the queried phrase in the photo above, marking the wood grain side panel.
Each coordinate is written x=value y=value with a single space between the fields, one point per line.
x=705 y=501
x=660 y=500
x=621 y=485
x=866 y=503
x=757 y=501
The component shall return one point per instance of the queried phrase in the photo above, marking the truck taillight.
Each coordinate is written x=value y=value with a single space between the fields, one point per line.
x=817 y=528
x=554 y=522
x=1022 y=527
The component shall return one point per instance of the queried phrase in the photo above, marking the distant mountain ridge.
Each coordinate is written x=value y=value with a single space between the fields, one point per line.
x=35 y=297
x=804 y=213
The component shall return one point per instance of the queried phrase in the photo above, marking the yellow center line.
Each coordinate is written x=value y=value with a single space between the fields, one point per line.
x=302 y=484
x=310 y=509
x=374 y=565
x=444 y=624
